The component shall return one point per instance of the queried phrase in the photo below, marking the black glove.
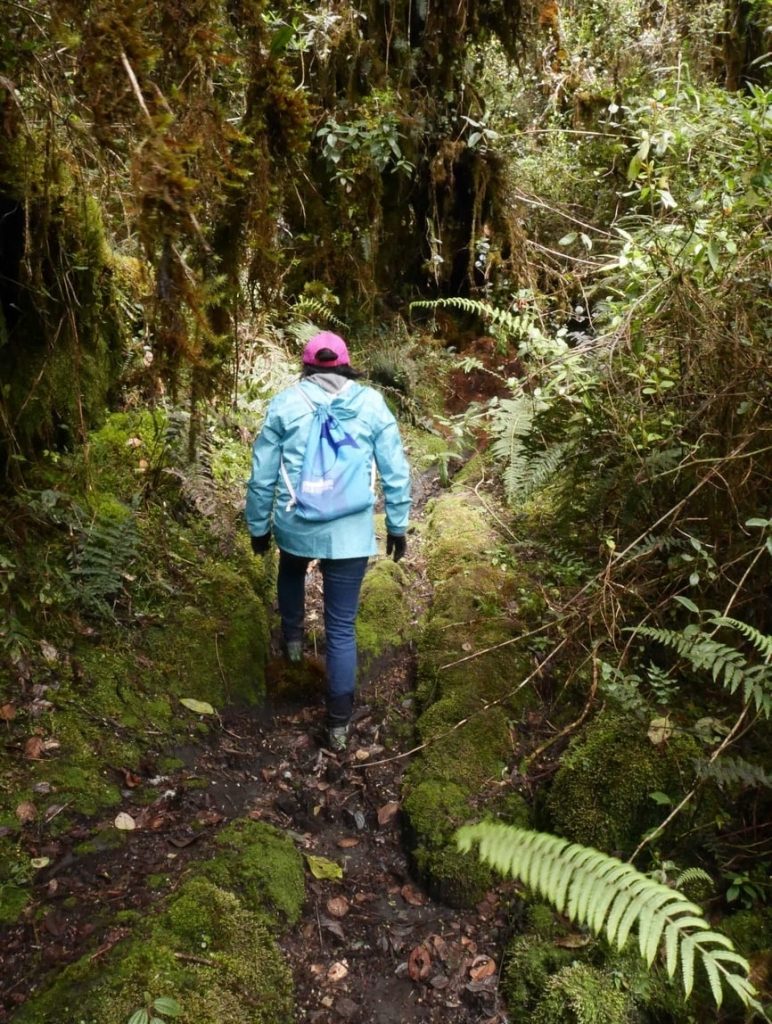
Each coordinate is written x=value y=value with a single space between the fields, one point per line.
x=261 y=544
x=396 y=544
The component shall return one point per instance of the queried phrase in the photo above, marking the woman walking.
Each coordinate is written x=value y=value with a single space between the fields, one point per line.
x=312 y=486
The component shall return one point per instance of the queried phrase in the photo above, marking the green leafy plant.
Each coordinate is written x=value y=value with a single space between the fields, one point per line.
x=155 y=1010
x=610 y=897
x=727 y=665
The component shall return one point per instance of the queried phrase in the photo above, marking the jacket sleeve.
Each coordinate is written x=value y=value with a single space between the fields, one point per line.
x=266 y=459
x=394 y=472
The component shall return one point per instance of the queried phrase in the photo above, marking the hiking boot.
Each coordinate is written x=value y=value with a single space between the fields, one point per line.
x=337 y=737
x=293 y=651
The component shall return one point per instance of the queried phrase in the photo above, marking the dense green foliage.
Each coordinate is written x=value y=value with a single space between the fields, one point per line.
x=544 y=229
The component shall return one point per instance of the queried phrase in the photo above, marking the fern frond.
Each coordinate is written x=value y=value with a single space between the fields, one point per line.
x=690 y=875
x=610 y=897
x=99 y=564
x=512 y=324
x=761 y=641
x=308 y=307
x=727 y=665
x=734 y=771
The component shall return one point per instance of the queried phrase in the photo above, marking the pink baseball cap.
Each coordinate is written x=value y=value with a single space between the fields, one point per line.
x=335 y=347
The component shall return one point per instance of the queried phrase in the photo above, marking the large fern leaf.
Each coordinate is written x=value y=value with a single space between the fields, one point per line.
x=610 y=897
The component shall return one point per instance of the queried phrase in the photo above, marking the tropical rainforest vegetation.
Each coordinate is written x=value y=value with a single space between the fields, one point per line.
x=544 y=229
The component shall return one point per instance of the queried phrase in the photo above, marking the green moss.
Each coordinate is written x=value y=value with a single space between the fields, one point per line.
x=750 y=930
x=435 y=809
x=581 y=994
x=471 y=755
x=529 y=962
x=456 y=879
x=457 y=532
x=383 y=621
x=216 y=649
x=13 y=899
x=262 y=866
x=216 y=958
x=614 y=815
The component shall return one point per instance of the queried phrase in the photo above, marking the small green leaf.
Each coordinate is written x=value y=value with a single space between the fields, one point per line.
x=661 y=798
x=200 y=707
x=569 y=238
x=760 y=523
x=713 y=258
x=167 y=1005
x=688 y=603
x=321 y=867
x=139 y=1017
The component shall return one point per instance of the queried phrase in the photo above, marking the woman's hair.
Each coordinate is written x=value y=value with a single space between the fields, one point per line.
x=342 y=371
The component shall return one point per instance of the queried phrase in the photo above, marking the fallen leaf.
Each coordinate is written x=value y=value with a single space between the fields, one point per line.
x=26 y=812
x=338 y=906
x=134 y=442
x=387 y=813
x=7 y=713
x=51 y=745
x=337 y=972
x=346 y=842
x=200 y=707
x=42 y=787
x=440 y=981
x=125 y=822
x=660 y=730
x=573 y=941
x=34 y=747
x=419 y=964
x=412 y=896
x=466 y=646
x=130 y=779
x=49 y=652
x=333 y=926
x=321 y=867
x=482 y=967
x=361 y=754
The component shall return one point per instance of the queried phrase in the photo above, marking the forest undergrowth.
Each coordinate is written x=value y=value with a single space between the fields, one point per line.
x=545 y=234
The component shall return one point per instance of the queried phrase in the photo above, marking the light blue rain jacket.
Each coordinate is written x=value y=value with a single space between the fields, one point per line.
x=283 y=439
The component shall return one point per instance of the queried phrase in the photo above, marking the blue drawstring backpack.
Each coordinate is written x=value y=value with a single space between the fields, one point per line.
x=337 y=477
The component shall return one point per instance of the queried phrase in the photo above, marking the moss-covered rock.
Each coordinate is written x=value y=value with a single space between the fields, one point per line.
x=529 y=962
x=211 y=949
x=258 y=864
x=468 y=743
x=383 y=622
x=581 y=994
x=215 y=957
x=601 y=796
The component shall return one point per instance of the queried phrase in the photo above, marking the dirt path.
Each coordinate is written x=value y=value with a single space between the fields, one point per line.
x=371 y=946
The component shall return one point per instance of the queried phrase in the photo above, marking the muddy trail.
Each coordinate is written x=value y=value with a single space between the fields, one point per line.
x=371 y=945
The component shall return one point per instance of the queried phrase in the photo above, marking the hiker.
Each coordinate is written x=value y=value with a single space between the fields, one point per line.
x=313 y=480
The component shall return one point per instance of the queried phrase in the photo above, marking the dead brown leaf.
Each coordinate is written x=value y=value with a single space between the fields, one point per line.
x=419 y=964
x=575 y=940
x=412 y=896
x=346 y=842
x=337 y=972
x=338 y=906
x=26 y=812
x=130 y=779
x=7 y=713
x=482 y=967
x=34 y=748
x=387 y=813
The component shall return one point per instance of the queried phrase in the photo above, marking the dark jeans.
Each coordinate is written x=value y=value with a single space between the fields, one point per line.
x=342 y=579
